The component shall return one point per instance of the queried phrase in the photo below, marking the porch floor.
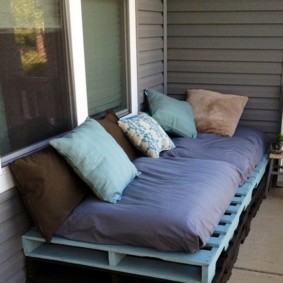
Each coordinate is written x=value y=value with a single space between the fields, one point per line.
x=260 y=258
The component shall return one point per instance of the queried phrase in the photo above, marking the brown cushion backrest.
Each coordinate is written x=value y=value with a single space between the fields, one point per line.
x=49 y=188
x=110 y=124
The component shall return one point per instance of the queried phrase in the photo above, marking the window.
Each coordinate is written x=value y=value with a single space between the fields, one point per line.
x=50 y=82
x=105 y=48
x=34 y=93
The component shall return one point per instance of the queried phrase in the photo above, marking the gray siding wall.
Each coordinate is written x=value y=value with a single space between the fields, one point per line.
x=231 y=47
x=151 y=46
x=13 y=222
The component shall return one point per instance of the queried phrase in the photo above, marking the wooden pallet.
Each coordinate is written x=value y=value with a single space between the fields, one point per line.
x=177 y=267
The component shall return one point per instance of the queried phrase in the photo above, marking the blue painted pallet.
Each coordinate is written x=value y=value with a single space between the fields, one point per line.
x=178 y=267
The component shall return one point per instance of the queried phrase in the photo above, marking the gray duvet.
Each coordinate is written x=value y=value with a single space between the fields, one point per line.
x=177 y=201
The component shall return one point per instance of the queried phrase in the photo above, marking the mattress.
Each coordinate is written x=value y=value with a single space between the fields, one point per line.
x=244 y=149
x=177 y=201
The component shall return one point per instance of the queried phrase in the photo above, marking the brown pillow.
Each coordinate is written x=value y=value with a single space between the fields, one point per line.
x=49 y=188
x=110 y=124
x=215 y=112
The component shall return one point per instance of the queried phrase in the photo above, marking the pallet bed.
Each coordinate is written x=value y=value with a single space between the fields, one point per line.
x=213 y=263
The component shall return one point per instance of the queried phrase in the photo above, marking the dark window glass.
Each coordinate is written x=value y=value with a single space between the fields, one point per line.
x=34 y=95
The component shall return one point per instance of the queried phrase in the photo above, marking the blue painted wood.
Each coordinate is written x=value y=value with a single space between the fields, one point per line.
x=222 y=229
x=178 y=267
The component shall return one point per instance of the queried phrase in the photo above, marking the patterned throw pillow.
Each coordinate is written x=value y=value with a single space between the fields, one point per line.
x=146 y=135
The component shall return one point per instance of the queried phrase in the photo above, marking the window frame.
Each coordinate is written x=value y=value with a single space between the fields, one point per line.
x=78 y=88
x=76 y=46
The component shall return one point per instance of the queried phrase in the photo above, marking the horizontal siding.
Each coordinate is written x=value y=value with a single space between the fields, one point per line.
x=232 y=47
x=145 y=5
x=151 y=31
x=151 y=69
x=10 y=208
x=226 y=17
x=17 y=277
x=271 y=68
x=150 y=18
x=150 y=46
x=14 y=221
x=212 y=30
x=228 y=79
x=11 y=246
x=151 y=56
x=205 y=54
x=226 y=43
x=17 y=224
x=261 y=115
x=154 y=81
x=263 y=125
x=223 y=5
x=263 y=104
x=179 y=90
x=12 y=266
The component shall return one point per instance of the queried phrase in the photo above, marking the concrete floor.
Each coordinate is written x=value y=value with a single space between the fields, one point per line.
x=260 y=259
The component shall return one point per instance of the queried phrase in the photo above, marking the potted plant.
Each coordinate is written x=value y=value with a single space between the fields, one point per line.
x=277 y=147
x=280 y=139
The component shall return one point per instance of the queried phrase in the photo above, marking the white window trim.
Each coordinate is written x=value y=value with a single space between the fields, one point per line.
x=6 y=180
x=133 y=57
x=75 y=25
x=76 y=49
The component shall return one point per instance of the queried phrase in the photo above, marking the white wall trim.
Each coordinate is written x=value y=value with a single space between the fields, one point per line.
x=6 y=180
x=165 y=46
x=133 y=56
x=76 y=44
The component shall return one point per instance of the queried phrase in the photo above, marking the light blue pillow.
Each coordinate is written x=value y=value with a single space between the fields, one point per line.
x=175 y=116
x=146 y=134
x=97 y=158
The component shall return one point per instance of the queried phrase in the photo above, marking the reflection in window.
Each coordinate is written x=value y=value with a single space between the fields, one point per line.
x=29 y=37
x=34 y=95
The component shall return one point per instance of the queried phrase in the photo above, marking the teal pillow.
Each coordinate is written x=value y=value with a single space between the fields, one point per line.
x=146 y=134
x=175 y=116
x=97 y=158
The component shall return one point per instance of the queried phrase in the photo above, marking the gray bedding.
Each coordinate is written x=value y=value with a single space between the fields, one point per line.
x=177 y=201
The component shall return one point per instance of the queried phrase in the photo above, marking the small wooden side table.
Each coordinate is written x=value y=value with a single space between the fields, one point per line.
x=274 y=168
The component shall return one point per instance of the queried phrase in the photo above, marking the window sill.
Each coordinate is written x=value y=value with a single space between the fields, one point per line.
x=6 y=180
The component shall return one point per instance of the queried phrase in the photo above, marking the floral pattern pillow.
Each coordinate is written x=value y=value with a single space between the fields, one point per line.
x=146 y=134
